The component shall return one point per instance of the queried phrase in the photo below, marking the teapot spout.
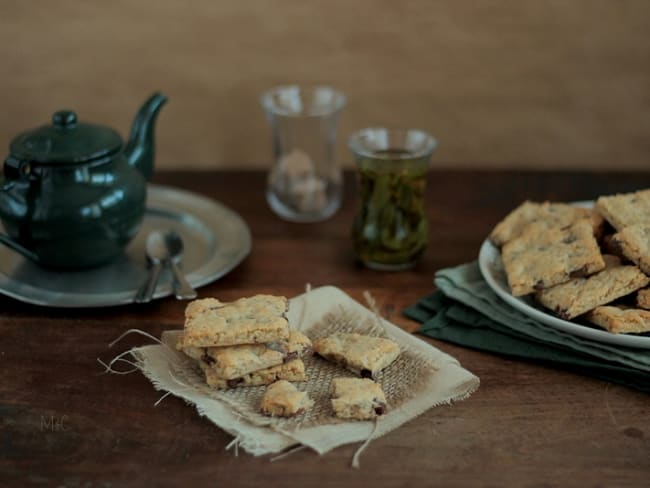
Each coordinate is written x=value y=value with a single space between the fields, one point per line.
x=140 y=148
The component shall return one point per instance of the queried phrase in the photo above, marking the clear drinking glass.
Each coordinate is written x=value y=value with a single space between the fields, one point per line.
x=304 y=183
x=390 y=230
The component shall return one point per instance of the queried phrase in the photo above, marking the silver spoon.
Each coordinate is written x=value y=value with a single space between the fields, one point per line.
x=182 y=289
x=157 y=253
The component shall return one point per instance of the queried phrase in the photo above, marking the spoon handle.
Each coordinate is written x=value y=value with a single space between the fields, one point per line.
x=146 y=291
x=182 y=289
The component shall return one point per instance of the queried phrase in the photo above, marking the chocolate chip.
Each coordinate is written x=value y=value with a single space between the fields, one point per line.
x=580 y=272
x=562 y=313
x=616 y=246
x=380 y=410
x=290 y=356
x=234 y=382
x=570 y=239
x=366 y=373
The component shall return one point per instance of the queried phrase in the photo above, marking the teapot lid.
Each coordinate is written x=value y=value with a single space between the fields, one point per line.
x=65 y=141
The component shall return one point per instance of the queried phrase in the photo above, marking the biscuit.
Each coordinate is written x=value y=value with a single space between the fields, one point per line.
x=546 y=214
x=579 y=295
x=619 y=320
x=362 y=354
x=282 y=399
x=541 y=258
x=255 y=320
x=236 y=361
x=634 y=243
x=291 y=371
x=625 y=209
x=357 y=398
x=643 y=298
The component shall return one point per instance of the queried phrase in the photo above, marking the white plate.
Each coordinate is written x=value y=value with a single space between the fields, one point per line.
x=491 y=266
x=216 y=240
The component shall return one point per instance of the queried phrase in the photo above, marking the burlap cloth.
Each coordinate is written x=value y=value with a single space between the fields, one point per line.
x=422 y=377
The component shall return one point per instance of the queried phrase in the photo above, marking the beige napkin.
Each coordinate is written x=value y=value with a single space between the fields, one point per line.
x=421 y=378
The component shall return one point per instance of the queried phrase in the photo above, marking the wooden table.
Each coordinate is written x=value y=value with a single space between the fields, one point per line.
x=64 y=423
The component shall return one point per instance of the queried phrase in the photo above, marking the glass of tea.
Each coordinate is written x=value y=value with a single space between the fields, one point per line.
x=390 y=230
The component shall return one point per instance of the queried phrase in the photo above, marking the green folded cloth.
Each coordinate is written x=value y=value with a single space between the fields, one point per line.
x=467 y=312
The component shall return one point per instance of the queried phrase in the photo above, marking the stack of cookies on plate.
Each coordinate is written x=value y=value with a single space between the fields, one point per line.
x=592 y=263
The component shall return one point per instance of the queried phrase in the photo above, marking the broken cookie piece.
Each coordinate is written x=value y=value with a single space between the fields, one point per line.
x=362 y=354
x=282 y=399
x=620 y=320
x=357 y=398
x=291 y=371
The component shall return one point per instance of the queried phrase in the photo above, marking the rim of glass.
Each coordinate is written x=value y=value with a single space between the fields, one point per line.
x=339 y=103
x=354 y=142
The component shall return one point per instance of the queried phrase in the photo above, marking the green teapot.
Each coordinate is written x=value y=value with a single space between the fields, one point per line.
x=73 y=193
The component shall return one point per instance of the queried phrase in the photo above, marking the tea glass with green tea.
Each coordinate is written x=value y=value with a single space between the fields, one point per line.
x=390 y=230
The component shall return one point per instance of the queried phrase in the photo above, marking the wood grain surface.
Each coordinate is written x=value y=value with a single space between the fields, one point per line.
x=64 y=423
x=553 y=84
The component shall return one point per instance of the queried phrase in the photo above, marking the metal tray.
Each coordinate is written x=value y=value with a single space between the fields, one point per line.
x=216 y=240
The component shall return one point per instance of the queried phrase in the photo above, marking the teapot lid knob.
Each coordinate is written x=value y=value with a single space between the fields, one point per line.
x=64 y=119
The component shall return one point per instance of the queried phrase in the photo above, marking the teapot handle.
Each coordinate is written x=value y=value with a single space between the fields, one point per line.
x=10 y=243
x=5 y=186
